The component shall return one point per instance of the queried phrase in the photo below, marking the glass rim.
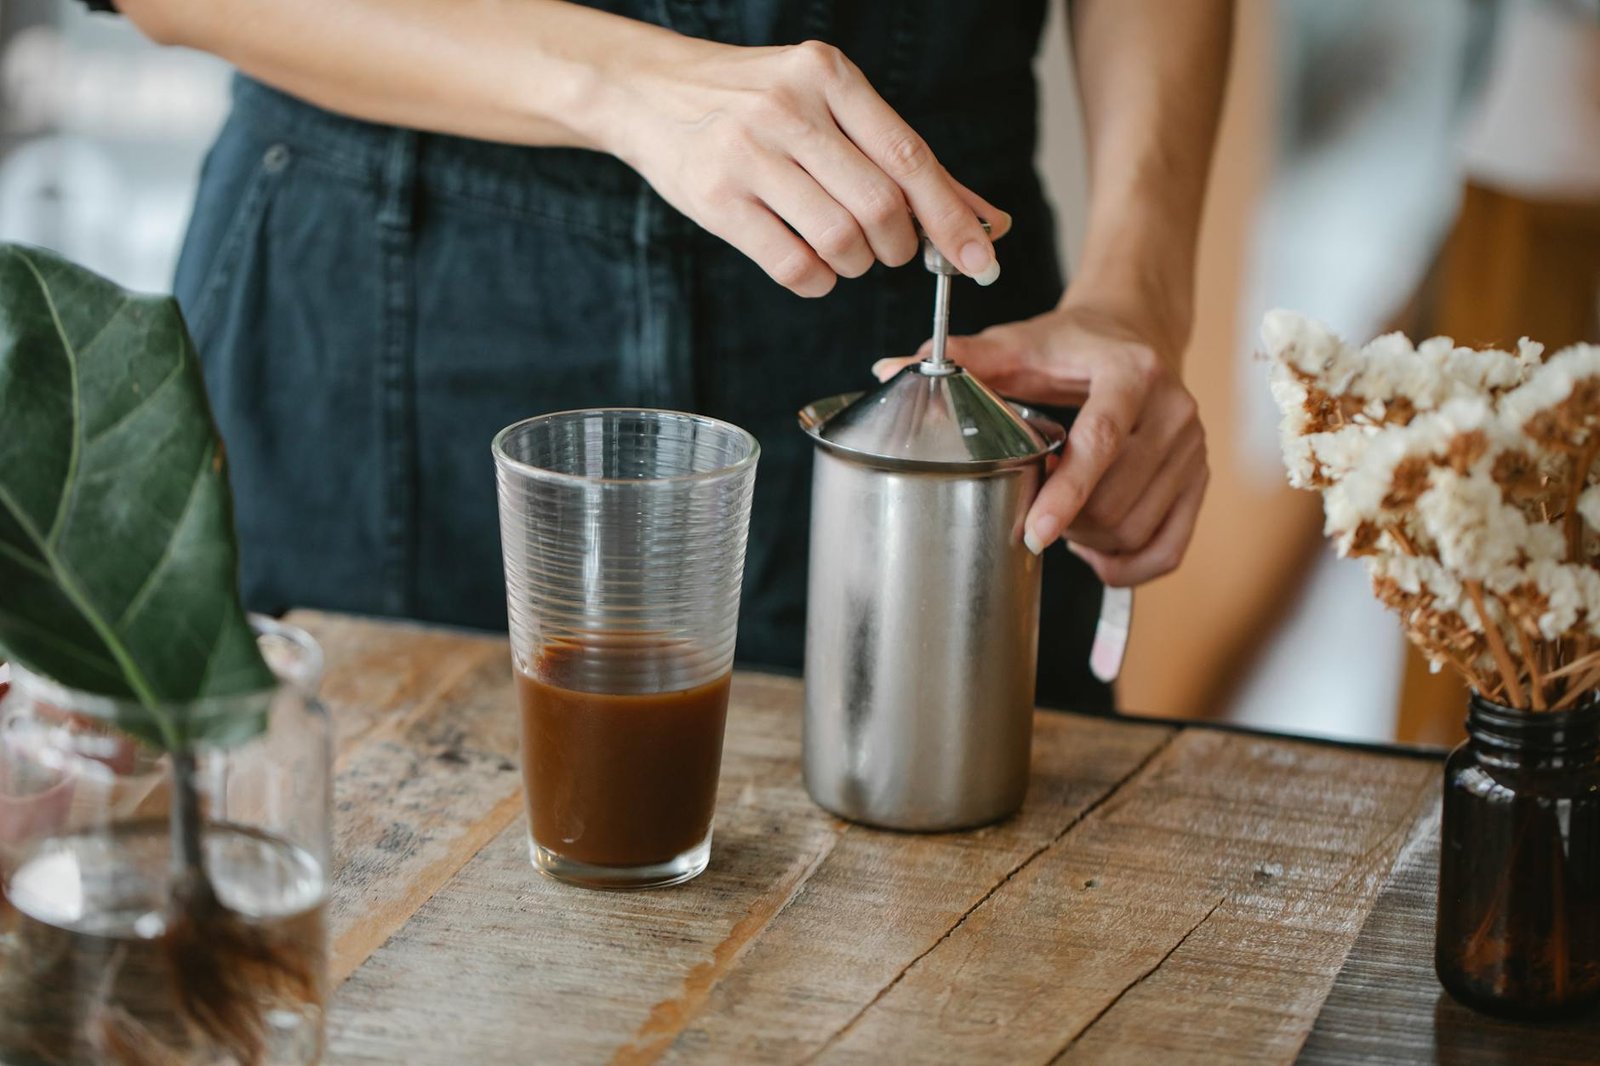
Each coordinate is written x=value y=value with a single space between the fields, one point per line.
x=303 y=671
x=505 y=461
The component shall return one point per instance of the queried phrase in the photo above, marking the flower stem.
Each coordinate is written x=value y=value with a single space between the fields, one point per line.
x=1580 y=688
x=1497 y=647
x=1531 y=659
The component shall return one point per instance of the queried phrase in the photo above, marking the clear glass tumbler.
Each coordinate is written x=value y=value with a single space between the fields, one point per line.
x=103 y=957
x=624 y=536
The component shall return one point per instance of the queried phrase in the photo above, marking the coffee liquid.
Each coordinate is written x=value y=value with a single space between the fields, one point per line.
x=618 y=780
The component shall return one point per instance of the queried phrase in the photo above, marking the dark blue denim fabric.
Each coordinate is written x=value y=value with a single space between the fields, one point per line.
x=373 y=303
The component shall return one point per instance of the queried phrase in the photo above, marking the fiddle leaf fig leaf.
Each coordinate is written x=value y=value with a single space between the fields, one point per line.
x=118 y=563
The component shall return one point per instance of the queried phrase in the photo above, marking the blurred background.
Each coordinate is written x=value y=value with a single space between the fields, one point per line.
x=1431 y=166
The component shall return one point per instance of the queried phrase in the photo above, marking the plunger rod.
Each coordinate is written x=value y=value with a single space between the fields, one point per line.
x=941 y=320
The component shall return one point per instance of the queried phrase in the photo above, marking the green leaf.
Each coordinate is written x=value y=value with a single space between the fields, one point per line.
x=118 y=564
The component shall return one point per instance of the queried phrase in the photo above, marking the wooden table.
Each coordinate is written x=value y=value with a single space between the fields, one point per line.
x=1167 y=894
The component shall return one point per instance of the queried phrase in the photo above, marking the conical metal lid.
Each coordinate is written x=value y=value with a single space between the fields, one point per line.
x=932 y=416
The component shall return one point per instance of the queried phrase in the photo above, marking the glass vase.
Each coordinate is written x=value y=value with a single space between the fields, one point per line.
x=1518 y=931
x=112 y=950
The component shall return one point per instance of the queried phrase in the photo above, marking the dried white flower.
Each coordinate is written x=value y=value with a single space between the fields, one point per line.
x=1551 y=384
x=1572 y=594
x=1452 y=471
x=1589 y=506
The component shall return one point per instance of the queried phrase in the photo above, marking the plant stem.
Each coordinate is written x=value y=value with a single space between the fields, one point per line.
x=1535 y=681
x=188 y=849
x=1399 y=537
x=1578 y=665
x=1580 y=688
x=1497 y=647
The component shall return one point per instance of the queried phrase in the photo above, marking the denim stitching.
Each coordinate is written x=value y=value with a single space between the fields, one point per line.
x=396 y=375
x=225 y=261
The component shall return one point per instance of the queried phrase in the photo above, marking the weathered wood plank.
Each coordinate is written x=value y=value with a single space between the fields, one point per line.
x=799 y=923
x=426 y=741
x=1387 y=1007
x=506 y=966
x=1164 y=896
x=884 y=900
x=1198 y=915
x=376 y=669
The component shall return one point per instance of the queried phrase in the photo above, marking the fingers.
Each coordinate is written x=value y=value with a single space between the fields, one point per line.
x=831 y=231
x=884 y=369
x=1093 y=444
x=947 y=217
x=999 y=221
x=758 y=233
x=1151 y=499
x=1165 y=550
x=1124 y=510
x=1008 y=358
x=876 y=203
x=986 y=356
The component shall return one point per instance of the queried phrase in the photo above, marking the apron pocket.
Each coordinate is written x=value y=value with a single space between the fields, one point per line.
x=249 y=207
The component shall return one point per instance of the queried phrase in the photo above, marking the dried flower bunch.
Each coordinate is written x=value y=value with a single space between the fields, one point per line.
x=1465 y=480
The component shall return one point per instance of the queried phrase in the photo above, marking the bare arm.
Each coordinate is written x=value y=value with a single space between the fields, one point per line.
x=524 y=73
x=1128 y=489
x=787 y=153
x=1151 y=76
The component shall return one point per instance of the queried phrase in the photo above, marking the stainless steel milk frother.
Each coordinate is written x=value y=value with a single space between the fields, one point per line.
x=923 y=619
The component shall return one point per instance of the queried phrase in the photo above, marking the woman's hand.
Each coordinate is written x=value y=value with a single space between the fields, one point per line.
x=785 y=152
x=788 y=154
x=1128 y=487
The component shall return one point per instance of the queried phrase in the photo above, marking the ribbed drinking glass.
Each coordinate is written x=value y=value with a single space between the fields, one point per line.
x=624 y=537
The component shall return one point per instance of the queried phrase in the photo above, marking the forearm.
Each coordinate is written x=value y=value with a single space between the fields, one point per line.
x=537 y=72
x=785 y=152
x=1151 y=75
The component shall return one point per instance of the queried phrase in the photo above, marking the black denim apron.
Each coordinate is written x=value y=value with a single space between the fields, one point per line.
x=373 y=303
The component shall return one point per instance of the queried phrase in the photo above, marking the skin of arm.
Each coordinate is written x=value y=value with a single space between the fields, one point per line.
x=785 y=152
x=1128 y=488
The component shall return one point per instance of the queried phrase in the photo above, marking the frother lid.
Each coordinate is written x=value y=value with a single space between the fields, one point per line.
x=932 y=416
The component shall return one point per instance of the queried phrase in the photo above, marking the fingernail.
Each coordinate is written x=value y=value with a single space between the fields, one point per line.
x=1001 y=221
x=1042 y=532
x=882 y=369
x=978 y=260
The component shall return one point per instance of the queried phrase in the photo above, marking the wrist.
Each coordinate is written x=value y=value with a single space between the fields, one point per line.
x=590 y=74
x=1138 y=264
x=1150 y=305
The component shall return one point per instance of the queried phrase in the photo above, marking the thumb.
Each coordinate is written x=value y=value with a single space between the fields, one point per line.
x=981 y=354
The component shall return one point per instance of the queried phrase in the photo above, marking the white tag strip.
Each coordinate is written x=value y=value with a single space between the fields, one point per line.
x=1111 y=634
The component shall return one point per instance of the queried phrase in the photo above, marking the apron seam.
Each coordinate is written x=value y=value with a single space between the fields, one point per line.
x=396 y=375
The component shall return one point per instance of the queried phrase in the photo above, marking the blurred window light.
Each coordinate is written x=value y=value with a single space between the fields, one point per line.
x=53 y=82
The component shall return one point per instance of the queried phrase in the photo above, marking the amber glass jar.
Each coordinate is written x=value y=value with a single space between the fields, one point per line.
x=1519 y=869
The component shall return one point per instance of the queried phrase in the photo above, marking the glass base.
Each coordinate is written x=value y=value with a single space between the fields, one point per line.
x=674 y=871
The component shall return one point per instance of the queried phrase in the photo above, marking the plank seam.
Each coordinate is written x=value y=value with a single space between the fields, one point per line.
x=1422 y=836
x=351 y=949
x=650 y=1041
x=1089 y=810
x=1137 y=981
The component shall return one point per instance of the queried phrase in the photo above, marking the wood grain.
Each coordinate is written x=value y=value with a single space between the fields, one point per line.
x=425 y=727
x=883 y=901
x=1199 y=915
x=1165 y=895
x=1387 y=1007
x=799 y=922
x=509 y=966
